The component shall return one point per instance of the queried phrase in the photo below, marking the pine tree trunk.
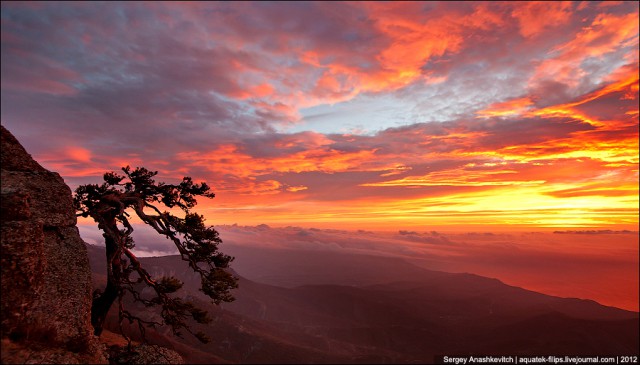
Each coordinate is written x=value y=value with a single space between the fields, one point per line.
x=102 y=303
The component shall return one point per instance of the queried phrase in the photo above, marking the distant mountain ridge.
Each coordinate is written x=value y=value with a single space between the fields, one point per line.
x=410 y=315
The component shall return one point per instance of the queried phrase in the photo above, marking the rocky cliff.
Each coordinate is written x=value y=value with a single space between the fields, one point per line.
x=46 y=278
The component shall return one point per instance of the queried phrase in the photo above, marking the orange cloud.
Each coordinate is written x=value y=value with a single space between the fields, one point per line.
x=510 y=107
x=257 y=91
x=598 y=190
x=462 y=177
x=294 y=189
x=413 y=41
x=78 y=154
x=534 y=17
x=605 y=34
x=398 y=61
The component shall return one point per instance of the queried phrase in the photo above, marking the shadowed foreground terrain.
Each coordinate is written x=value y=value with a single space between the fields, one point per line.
x=409 y=316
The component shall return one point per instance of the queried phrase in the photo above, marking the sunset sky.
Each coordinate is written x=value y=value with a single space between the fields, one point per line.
x=363 y=115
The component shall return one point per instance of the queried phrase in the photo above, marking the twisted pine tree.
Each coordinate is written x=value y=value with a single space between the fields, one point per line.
x=111 y=205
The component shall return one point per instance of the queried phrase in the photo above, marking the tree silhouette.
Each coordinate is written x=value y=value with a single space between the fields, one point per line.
x=110 y=205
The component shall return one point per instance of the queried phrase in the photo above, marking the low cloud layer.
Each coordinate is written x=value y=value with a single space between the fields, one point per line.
x=572 y=264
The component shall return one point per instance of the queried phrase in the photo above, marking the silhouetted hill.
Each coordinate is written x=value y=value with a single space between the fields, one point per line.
x=423 y=314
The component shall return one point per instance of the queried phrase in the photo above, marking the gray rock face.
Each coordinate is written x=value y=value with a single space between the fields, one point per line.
x=46 y=278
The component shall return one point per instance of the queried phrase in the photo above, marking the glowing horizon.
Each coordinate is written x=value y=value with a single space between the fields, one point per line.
x=365 y=115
